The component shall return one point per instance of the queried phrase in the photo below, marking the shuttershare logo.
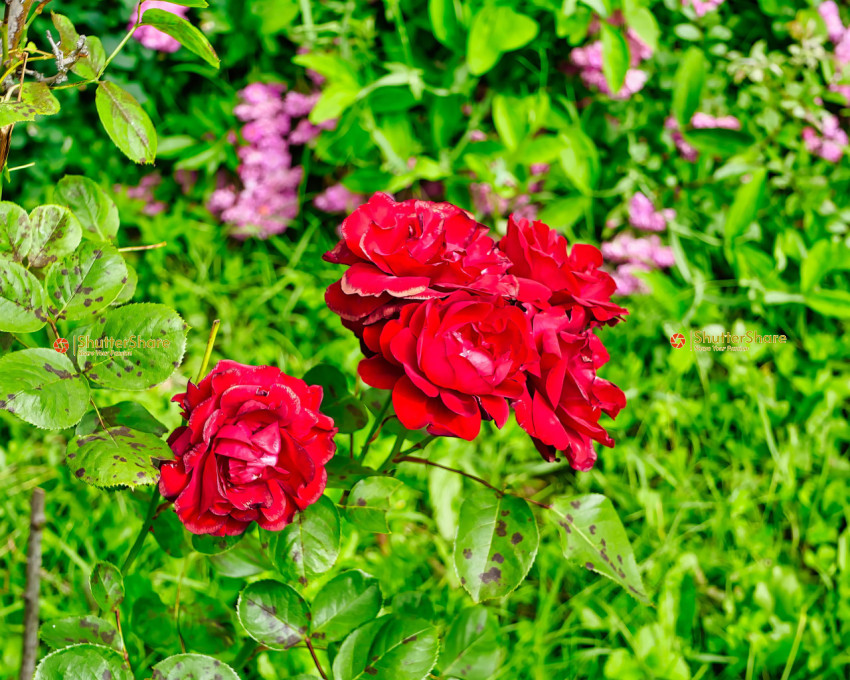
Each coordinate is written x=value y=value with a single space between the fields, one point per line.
x=677 y=340
x=61 y=345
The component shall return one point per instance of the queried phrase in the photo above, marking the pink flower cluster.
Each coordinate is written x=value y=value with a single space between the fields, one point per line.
x=699 y=121
x=633 y=255
x=839 y=34
x=268 y=198
x=829 y=143
x=588 y=61
x=488 y=201
x=703 y=7
x=151 y=37
x=338 y=199
x=144 y=191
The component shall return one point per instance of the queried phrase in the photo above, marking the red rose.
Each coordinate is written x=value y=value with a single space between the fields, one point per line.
x=565 y=399
x=253 y=450
x=450 y=361
x=412 y=250
x=548 y=273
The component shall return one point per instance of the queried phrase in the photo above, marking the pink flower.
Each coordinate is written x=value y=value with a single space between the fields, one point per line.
x=834 y=26
x=338 y=199
x=698 y=121
x=151 y=37
x=830 y=143
x=644 y=216
x=703 y=7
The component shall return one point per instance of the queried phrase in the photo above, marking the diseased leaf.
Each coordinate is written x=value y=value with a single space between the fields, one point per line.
x=207 y=622
x=593 y=536
x=472 y=649
x=496 y=544
x=75 y=630
x=15 y=231
x=126 y=123
x=344 y=603
x=55 y=233
x=273 y=614
x=85 y=282
x=107 y=586
x=92 y=206
x=343 y=472
x=89 y=66
x=183 y=32
x=36 y=100
x=129 y=413
x=22 y=300
x=213 y=545
x=310 y=544
x=117 y=456
x=193 y=667
x=83 y=662
x=42 y=387
x=369 y=501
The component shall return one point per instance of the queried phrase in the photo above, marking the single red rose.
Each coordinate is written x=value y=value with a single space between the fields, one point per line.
x=548 y=272
x=253 y=449
x=565 y=399
x=451 y=361
x=409 y=251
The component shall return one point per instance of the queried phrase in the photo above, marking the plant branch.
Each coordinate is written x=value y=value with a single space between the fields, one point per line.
x=315 y=658
x=143 y=531
x=30 y=642
x=208 y=352
x=379 y=419
x=131 y=249
x=425 y=461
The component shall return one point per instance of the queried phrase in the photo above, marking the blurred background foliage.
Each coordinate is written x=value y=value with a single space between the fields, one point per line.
x=730 y=469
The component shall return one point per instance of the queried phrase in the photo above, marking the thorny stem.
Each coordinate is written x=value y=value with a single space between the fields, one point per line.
x=143 y=531
x=208 y=352
x=315 y=658
x=500 y=492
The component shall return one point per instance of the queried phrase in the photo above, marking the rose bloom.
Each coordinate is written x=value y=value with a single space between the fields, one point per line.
x=565 y=398
x=452 y=361
x=548 y=272
x=412 y=250
x=253 y=449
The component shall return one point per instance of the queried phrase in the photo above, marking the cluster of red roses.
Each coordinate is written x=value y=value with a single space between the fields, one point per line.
x=461 y=328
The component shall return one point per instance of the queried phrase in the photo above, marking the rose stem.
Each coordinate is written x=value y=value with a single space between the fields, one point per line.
x=143 y=531
x=30 y=642
x=315 y=658
x=379 y=418
x=130 y=249
x=208 y=352
x=424 y=461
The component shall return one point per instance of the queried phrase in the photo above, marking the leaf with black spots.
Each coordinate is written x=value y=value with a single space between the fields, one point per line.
x=273 y=614
x=22 y=299
x=343 y=472
x=388 y=648
x=42 y=387
x=83 y=662
x=496 y=544
x=213 y=545
x=310 y=544
x=206 y=621
x=117 y=456
x=36 y=100
x=193 y=667
x=129 y=413
x=55 y=233
x=92 y=206
x=472 y=649
x=133 y=347
x=126 y=123
x=345 y=603
x=85 y=282
x=593 y=536
x=15 y=231
x=75 y=630
x=168 y=531
x=371 y=499
x=107 y=586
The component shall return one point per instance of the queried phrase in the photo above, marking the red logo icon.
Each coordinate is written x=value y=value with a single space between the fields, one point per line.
x=677 y=340
x=61 y=345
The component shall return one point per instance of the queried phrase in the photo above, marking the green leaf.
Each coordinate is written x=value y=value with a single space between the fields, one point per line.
x=334 y=100
x=170 y=534
x=510 y=119
x=36 y=100
x=343 y=472
x=22 y=299
x=580 y=159
x=642 y=22
x=85 y=282
x=87 y=67
x=824 y=257
x=472 y=649
x=496 y=544
x=126 y=123
x=129 y=413
x=129 y=288
x=117 y=456
x=275 y=15
x=348 y=413
x=273 y=614
x=444 y=22
x=496 y=30
x=831 y=303
x=213 y=545
x=183 y=32
x=192 y=667
x=83 y=662
x=615 y=57
x=310 y=545
x=76 y=630
x=154 y=622
x=688 y=84
x=92 y=206
x=593 y=536
x=687 y=32
x=744 y=208
x=55 y=233
x=207 y=622
x=388 y=649
x=719 y=141
x=107 y=586
x=336 y=69
x=43 y=388
x=369 y=502
x=344 y=603
x=152 y=336
x=15 y=231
